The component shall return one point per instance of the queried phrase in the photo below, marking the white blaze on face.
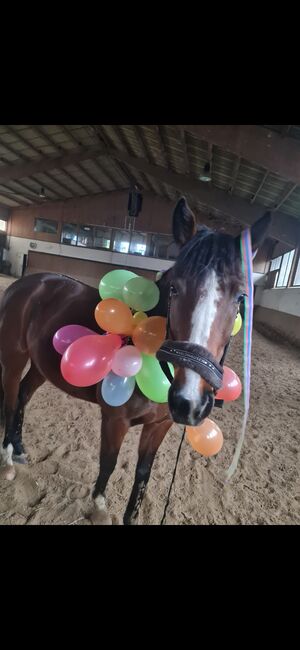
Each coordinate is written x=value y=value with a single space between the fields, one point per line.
x=202 y=320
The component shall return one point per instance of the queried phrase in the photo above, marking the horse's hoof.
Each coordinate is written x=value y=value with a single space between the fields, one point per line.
x=130 y=521
x=100 y=517
x=22 y=459
x=10 y=473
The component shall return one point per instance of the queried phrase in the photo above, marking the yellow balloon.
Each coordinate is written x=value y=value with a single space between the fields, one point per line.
x=237 y=325
x=138 y=317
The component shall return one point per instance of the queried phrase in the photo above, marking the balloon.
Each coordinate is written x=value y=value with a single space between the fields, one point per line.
x=231 y=387
x=152 y=381
x=141 y=294
x=237 y=325
x=66 y=335
x=117 y=390
x=127 y=361
x=113 y=316
x=150 y=334
x=207 y=438
x=89 y=359
x=138 y=317
x=112 y=283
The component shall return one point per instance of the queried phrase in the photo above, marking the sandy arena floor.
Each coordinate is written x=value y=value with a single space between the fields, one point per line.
x=62 y=436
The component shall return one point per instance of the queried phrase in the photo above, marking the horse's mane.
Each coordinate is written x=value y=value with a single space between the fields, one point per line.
x=208 y=250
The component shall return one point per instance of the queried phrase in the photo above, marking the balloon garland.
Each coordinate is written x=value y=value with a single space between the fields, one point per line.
x=124 y=356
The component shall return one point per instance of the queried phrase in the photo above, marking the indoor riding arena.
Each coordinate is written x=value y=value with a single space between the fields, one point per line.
x=200 y=225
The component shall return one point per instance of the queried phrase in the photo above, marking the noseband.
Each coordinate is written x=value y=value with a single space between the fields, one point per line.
x=190 y=355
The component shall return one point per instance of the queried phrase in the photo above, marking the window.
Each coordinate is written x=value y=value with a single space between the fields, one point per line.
x=69 y=234
x=285 y=269
x=45 y=225
x=275 y=264
x=163 y=246
x=3 y=224
x=296 y=281
x=85 y=236
x=138 y=244
x=282 y=265
x=102 y=238
x=121 y=241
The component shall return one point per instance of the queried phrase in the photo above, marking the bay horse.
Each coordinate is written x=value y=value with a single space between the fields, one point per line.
x=206 y=282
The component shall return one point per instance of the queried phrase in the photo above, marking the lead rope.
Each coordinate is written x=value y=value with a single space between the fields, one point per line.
x=173 y=479
x=246 y=255
x=166 y=370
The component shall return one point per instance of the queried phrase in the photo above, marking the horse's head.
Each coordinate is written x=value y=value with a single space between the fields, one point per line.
x=207 y=286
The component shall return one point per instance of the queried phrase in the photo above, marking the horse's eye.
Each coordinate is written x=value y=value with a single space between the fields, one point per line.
x=173 y=289
x=240 y=298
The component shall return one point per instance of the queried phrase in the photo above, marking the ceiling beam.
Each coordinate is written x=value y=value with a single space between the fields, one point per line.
x=284 y=228
x=210 y=156
x=74 y=180
x=264 y=178
x=147 y=153
x=77 y=142
x=27 y=143
x=128 y=149
x=184 y=149
x=14 y=196
x=12 y=151
x=45 y=164
x=235 y=173
x=60 y=148
x=106 y=141
x=256 y=144
x=163 y=145
x=284 y=197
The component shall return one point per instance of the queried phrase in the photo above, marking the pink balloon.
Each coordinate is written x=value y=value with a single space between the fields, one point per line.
x=67 y=335
x=127 y=361
x=231 y=386
x=89 y=359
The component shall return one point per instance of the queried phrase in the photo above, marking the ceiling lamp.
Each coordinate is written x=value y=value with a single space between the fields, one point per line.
x=42 y=194
x=206 y=175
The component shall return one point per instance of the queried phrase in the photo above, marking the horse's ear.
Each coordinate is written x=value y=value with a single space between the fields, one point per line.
x=184 y=222
x=259 y=231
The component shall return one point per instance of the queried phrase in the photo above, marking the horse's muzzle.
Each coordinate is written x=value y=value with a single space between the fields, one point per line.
x=189 y=412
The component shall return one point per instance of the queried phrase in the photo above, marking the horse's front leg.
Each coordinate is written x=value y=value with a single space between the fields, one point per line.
x=113 y=431
x=151 y=437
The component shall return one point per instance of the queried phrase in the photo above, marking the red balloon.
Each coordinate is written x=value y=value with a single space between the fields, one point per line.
x=89 y=359
x=231 y=387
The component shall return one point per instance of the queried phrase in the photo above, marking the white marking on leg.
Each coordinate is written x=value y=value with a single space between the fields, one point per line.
x=6 y=459
x=100 y=502
x=6 y=454
x=202 y=320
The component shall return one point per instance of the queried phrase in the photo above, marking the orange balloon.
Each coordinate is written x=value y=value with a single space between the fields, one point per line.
x=207 y=439
x=114 y=316
x=149 y=335
x=138 y=317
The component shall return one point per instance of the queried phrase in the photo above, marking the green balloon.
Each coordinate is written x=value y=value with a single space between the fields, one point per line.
x=112 y=283
x=152 y=381
x=141 y=294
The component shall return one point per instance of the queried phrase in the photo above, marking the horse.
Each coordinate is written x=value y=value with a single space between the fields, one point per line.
x=207 y=285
